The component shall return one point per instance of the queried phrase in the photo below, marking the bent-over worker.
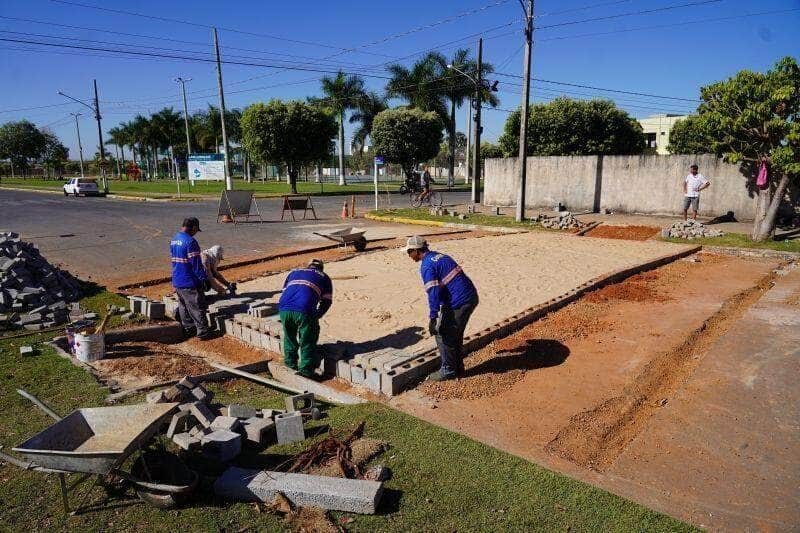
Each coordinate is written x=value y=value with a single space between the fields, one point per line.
x=189 y=279
x=211 y=259
x=451 y=300
x=307 y=296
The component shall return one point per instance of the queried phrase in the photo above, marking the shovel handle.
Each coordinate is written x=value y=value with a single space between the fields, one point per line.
x=39 y=404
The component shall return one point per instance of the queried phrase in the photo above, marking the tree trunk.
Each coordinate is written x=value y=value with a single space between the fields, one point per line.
x=342 y=180
x=451 y=159
x=292 y=178
x=318 y=177
x=767 y=211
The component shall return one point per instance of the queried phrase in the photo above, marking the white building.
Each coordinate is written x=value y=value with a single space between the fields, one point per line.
x=656 y=130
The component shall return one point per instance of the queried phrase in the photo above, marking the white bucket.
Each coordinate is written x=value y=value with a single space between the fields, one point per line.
x=90 y=347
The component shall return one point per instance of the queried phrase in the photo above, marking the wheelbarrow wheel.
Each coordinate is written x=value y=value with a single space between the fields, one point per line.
x=360 y=245
x=114 y=486
x=167 y=470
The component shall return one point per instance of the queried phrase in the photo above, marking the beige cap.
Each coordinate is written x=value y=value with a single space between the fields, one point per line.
x=415 y=242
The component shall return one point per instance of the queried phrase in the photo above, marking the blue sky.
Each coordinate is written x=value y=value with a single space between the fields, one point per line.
x=667 y=52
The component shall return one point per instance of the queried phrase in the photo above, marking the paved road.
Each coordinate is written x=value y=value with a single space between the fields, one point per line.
x=104 y=238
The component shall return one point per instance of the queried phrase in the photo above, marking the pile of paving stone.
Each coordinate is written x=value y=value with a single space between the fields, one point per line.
x=563 y=220
x=33 y=293
x=218 y=431
x=690 y=229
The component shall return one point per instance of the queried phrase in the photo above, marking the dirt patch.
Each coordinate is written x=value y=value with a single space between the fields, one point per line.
x=227 y=350
x=637 y=288
x=593 y=439
x=148 y=362
x=630 y=233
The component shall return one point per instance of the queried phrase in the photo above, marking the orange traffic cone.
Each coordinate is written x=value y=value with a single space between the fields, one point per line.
x=344 y=210
x=353 y=207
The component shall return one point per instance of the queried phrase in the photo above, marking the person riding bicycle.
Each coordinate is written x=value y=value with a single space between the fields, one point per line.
x=425 y=181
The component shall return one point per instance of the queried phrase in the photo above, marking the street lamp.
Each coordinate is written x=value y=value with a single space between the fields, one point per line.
x=96 y=110
x=80 y=147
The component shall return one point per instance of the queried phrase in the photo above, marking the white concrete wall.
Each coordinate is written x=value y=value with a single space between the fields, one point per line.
x=649 y=184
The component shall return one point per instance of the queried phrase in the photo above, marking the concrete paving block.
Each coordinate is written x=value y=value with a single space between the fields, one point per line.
x=202 y=413
x=373 y=380
x=363 y=358
x=222 y=444
x=157 y=396
x=330 y=493
x=271 y=413
x=289 y=428
x=299 y=402
x=231 y=423
x=186 y=441
x=179 y=423
x=343 y=369
x=156 y=310
x=176 y=393
x=395 y=381
x=327 y=366
x=259 y=430
x=334 y=350
x=378 y=362
x=201 y=394
x=198 y=431
x=187 y=382
x=26 y=350
x=357 y=374
x=241 y=411
x=399 y=360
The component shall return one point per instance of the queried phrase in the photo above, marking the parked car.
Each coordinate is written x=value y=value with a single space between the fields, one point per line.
x=84 y=186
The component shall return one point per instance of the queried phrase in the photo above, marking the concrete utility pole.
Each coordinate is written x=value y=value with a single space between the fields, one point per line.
x=523 y=119
x=100 y=137
x=183 y=82
x=476 y=166
x=469 y=140
x=80 y=147
x=228 y=179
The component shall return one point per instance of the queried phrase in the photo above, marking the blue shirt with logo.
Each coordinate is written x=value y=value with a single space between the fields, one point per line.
x=445 y=282
x=308 y=291
x=187 y=265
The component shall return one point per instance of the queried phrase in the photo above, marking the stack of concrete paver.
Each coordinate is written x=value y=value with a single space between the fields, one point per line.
x=563 y=220
x=219 y=431
x=150 y=308
x=690 y=229
x=33 y=293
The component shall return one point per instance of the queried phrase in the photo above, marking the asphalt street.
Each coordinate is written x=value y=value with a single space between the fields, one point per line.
x=105 y=239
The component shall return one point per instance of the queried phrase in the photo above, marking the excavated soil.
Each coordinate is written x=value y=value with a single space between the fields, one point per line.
x=630 y=233
x=149 y=362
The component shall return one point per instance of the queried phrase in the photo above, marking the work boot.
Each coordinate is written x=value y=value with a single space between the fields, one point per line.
x=437 y=376
x=205 y=336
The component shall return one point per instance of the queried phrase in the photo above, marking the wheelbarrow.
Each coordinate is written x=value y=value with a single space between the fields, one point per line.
x=347 y=236
x=97 y=441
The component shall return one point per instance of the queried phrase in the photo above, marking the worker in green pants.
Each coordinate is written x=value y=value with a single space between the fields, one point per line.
x=307 y=296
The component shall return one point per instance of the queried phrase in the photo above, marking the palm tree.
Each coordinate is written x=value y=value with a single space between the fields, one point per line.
x=420 y=86
x=370 y=105
x=342 y=93
x=117 y=135
x=166 y=131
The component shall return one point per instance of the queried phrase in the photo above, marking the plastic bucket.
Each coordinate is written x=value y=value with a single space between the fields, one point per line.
x=90 y=347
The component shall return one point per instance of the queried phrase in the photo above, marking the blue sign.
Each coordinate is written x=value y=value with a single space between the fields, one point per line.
x=207 y=157
x=378 y=159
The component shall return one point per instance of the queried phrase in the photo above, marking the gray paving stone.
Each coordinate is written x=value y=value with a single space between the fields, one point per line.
x=289 y=427
x=299 y=402
x=179 y=423
x=226 y=422
x=241 y=411
x=373 y=380
x=186 y=441
x=26 y=350
x=222 y=444
x=343 y=370
x=202 y=413
x=259 y=430
x=157 y=396
x=357 y=374
x=330 y=493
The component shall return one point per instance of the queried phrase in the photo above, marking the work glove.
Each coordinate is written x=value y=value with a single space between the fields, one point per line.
x=432 y=327
x=232 y=288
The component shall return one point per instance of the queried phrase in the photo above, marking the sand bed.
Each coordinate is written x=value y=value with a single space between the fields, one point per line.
x=379 y=298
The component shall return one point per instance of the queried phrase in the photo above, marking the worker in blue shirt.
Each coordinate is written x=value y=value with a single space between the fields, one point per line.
x=451 y=300
x=189 y=279
x=307 y=296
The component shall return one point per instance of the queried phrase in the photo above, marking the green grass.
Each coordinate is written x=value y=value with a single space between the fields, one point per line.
x=167 y=188
x=739 y=240
x=441 y=481
x=477 y=219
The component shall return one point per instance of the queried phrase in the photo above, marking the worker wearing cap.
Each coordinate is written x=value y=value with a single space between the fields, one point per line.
x=211 y=259
x=307 y=296
x=189 y=279
x=451 y=300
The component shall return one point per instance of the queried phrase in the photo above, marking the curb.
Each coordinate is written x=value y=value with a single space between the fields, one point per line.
x=442 y=224
x=752 y=252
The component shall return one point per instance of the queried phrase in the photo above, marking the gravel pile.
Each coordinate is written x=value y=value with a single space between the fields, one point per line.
x=33 y=293
x=690 y=229
x=563 y=220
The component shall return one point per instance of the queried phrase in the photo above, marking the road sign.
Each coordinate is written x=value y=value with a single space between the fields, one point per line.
x=378 y=159
x=206 y=167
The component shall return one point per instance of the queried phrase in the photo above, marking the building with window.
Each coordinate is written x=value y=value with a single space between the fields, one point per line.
x=656 y=130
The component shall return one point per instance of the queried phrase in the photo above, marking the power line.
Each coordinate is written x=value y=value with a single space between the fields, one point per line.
x=621 y=15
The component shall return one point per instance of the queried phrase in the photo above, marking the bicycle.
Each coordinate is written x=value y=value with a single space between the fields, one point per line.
x=433 y=199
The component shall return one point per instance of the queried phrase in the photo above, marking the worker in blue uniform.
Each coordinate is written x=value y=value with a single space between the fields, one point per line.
x=189 y=279
x=451 y=300
x=307 y=296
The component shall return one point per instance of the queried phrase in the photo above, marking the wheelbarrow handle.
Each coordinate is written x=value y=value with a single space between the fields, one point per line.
x=172 y=489
x=39 y=404
x=22 y=464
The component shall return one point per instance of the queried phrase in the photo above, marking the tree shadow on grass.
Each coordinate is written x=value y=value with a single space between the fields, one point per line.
x=536 y=353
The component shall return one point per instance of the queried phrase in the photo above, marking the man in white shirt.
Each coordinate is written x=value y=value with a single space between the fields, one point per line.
x=692 y=185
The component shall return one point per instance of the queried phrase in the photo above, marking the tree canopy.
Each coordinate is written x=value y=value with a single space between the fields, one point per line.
x=21 y=142
x=407 y=136
x=688 y=136
x=575 y=127
x=294 y=133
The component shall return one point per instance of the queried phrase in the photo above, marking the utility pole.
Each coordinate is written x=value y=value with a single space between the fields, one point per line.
x=183 y=82
x=80 y=147
x=476 y=158
x=469 y=141
x=100 y=136
x=523 y=119
x=228 y=179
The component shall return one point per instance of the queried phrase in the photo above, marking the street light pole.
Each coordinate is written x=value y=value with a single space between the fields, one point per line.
x=228 y=179
x=476 y=157
x=96 y=110
x=523 y=119
x=80 y=147
x=183 y=82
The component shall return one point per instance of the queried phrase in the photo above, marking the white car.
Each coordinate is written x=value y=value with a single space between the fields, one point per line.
x=84 y=186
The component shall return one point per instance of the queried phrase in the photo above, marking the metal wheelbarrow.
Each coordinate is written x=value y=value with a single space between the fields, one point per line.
x=347 y=236
x=96 y=441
